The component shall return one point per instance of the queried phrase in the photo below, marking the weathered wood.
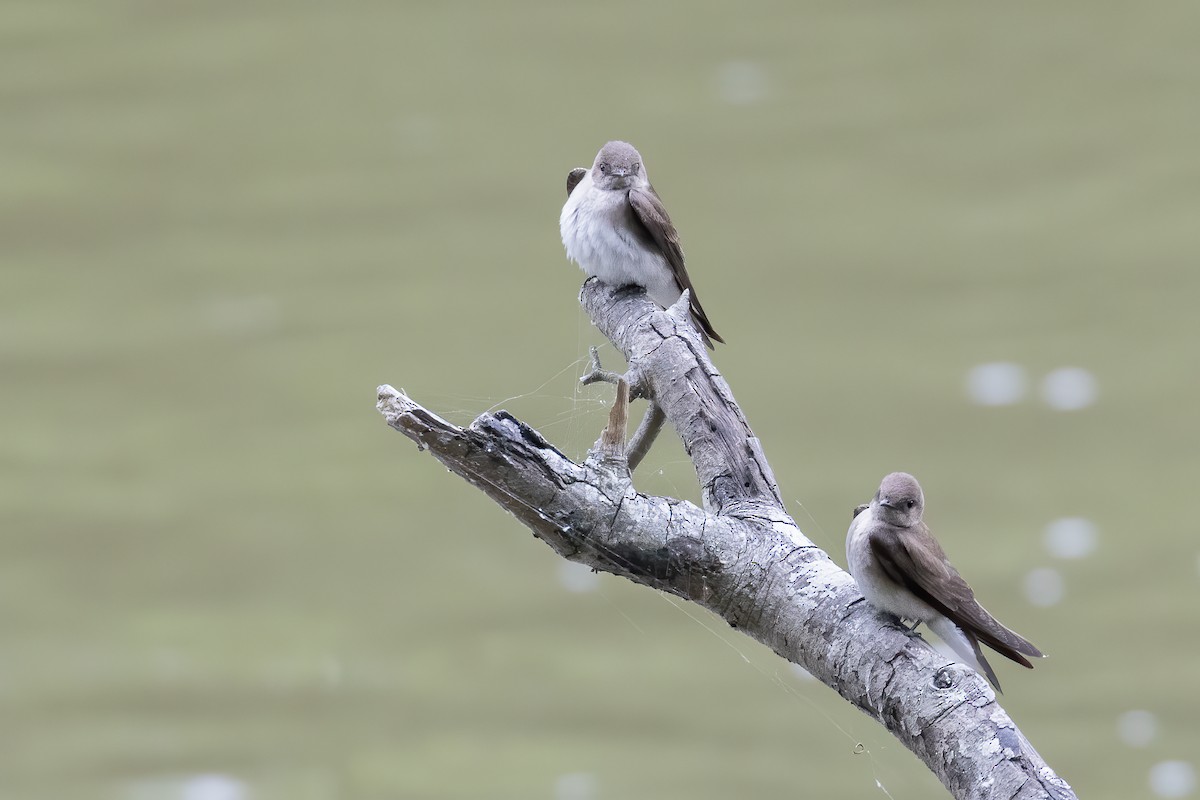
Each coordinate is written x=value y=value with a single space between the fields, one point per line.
x=741 y=556
x=612 y=440
x=644 y=436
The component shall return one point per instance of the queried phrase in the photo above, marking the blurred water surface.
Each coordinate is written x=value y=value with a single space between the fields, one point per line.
x=222 y=224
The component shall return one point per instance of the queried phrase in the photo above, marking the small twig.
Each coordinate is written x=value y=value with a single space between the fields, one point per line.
x=652 y=422
x=598 y=374
x=644 y=436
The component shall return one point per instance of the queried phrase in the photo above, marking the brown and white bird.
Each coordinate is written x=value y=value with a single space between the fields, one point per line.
x=614 y=226
x=901 y=569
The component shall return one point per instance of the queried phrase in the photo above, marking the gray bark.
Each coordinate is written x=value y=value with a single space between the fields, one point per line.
x=741 y=556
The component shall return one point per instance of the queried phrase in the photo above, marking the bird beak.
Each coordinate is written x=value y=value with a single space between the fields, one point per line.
x=620 y=173
x=886 y=502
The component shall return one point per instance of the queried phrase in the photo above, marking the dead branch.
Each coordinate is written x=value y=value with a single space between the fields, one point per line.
x=741 y=556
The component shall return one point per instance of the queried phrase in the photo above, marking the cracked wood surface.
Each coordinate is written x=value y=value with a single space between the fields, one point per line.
x=741 y=556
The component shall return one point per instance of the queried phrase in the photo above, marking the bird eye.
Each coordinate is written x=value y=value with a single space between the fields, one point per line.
x=603 y=167
x=912 y=503
x=636 y=166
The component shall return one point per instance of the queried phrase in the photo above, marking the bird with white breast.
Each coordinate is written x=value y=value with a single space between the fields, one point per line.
x=901 y=569
x=615 y=227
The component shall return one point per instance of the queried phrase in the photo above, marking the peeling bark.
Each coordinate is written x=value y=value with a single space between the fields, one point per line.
x=741 y=556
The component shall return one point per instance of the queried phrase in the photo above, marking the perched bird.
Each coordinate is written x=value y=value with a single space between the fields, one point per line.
x=614 y=226
x=901 y=569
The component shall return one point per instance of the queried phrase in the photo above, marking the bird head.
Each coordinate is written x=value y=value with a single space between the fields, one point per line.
x=900 y=500
x=617 y=166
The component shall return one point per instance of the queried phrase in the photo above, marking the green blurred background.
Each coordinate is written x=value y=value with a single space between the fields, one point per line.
x=224 y=223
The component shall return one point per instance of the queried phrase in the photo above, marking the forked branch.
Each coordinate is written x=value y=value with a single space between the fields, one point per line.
x=741 y=556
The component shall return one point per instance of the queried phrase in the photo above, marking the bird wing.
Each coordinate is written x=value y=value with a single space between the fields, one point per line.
x=574 y=177
x=649 y=211
x=925 y=571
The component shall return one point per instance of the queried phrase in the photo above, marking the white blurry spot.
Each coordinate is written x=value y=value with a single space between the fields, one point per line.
x=575 y=786
x=801 y=673
x=241 y=316
x=1172 y=779
x=1069 y=389
x=577 y=578
x=998 y=383
x=1071 y=537
x=741 y=83
x=204 y=786
x=213 y=787
x=1137 y=728
x=1044 y=587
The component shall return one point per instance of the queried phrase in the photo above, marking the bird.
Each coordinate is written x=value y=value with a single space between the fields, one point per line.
x=615 y=227
x=902 y=570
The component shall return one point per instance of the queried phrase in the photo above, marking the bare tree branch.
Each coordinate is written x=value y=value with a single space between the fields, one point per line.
x=742 y=556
